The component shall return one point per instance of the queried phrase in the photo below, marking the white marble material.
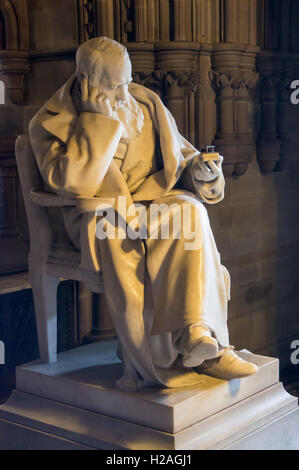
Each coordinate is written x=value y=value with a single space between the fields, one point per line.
x=88 y=373
x=25 y=420
x=125 y=142
x=214 y=414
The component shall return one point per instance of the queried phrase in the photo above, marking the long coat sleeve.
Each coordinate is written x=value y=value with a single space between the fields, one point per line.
x=76 y=166
x=74 y=153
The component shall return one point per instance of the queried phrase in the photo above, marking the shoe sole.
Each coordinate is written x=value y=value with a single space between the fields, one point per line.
x=221 y=376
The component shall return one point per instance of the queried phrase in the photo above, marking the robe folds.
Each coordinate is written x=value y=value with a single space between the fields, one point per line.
x=154 y=288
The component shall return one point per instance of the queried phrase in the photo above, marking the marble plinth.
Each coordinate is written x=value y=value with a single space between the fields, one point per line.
x=73 y=404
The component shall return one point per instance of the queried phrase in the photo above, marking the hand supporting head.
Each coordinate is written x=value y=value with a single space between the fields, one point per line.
x=104 y=71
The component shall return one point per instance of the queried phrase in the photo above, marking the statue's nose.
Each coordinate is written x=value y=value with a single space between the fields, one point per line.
x=122 y=94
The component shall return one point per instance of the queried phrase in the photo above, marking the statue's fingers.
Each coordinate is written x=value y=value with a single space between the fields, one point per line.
x=93 y=94
x=205 y=168
x=108 y=105
x=200 y=165
x=202 y=173
x=215 y=168
x=101 y=98
x=84 y=89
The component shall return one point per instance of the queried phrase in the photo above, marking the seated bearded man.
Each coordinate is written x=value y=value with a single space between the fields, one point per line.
x=102 y=135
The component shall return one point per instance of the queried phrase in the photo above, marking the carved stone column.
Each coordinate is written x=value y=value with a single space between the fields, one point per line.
x=244 y=130
x=86 y=19
x=143 y=59
x=268 y=144
x=102 y=324
x=288 y=113
x=164 y=20
x=182 y=20
x=234 y=76
x=205 y=99
x=105 y=18
x=278 y=66
x=225 y=140
x=239 y=20
x=177 y=61
x=94 y=322
x=142 y=56
x=14 y=66
x=85 y=313
x=146 y=20
x=206 y=21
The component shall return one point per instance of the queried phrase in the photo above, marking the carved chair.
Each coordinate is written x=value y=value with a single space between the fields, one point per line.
x=52 y=255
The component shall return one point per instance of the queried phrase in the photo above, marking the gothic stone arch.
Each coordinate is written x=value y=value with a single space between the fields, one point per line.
x=14 y=45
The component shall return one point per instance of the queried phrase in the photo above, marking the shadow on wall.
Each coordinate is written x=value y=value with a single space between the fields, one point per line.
x=287 y=287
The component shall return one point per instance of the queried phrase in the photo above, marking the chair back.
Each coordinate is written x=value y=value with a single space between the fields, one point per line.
x=40 y=231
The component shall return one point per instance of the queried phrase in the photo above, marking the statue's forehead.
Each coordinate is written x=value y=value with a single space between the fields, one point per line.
x=116 y=62
x=116 y=71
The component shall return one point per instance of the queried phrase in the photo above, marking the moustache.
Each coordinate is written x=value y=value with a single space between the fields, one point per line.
x=118 y=104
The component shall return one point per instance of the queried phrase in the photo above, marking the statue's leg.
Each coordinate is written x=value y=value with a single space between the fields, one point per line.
x=186 y=273
x=191 y=291
x=123 y=266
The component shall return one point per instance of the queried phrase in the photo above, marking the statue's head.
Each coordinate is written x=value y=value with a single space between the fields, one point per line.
x=107 y=65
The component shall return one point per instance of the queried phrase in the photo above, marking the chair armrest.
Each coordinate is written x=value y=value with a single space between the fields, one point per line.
x=83 y=204
x=44 y=199
x=90 y=204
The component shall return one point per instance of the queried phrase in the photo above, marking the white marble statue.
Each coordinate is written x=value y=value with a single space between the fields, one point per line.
x=103 y=135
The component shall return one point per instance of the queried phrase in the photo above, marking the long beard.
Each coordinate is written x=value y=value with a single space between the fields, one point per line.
x=131 y=116
x=128 y=113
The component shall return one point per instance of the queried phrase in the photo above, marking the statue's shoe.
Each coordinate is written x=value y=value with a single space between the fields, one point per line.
x=228 y=366
x=198 y=346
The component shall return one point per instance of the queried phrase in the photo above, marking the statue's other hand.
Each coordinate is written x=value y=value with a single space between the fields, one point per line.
x=206 y=171
x=92 y=101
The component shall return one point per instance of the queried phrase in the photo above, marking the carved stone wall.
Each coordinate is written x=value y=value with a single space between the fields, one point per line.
x=183 y=49
x=14 y=66
x=13 y=225
x=234 y=78
x=14 y=47
x=278 y=65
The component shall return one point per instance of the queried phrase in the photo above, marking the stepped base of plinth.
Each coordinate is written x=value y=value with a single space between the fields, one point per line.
x=73 y=404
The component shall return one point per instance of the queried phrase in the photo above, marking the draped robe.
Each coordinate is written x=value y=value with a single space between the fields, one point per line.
x=154 y=288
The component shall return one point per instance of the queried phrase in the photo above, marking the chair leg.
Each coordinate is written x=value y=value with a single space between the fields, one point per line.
x=44 y=288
